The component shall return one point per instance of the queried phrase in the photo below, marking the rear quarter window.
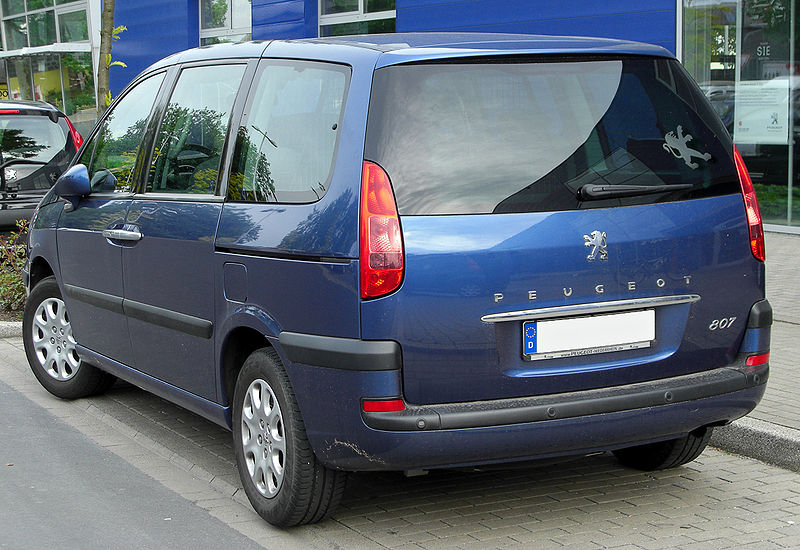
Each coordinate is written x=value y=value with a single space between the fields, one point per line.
x=285 y=147
x=524 y=135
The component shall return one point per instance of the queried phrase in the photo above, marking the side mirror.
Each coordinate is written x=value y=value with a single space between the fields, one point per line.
x=73 y=185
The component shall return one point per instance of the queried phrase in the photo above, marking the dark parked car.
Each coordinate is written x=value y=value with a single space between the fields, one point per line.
x=407 y=252
x=37 y=143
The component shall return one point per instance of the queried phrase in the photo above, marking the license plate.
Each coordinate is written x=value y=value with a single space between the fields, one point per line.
x=577 y=336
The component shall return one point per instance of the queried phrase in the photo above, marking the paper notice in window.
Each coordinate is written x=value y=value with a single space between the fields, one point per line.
x=761 y=112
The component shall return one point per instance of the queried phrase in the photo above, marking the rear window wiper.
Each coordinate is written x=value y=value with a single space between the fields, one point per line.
x=594 y=192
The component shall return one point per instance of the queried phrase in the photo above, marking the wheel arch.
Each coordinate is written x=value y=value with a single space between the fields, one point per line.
x=239 y=343
x=40 y=269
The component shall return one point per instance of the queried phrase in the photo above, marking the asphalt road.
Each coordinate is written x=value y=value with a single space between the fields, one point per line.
x=58 y=489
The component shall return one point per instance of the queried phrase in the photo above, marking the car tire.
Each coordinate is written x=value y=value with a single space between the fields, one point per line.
x=50 y=346
x=665 y=454
x=281 y=476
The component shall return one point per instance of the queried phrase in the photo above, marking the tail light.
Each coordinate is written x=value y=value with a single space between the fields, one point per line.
x=751 y=207
x=381 y=245
x=77 y=139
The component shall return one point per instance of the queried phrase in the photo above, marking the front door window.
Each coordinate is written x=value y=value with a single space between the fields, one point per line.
x=186 y=158
x=112 y=152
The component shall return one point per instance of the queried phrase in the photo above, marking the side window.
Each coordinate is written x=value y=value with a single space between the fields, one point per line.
x=284 y=151
x=111 y=155
x=188 y=148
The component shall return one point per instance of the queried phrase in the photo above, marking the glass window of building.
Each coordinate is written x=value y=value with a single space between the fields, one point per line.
x=46 y=72
x=225 y=21
x=3 y=80
x=744 y=56
x=13 y=7
x=39 y=4
x=42 y=28
x=342 y=17
x=20 y=78
x=73 y=26
x=43 y=22
x=16 y=33
x=64 y=78
x=78 y=80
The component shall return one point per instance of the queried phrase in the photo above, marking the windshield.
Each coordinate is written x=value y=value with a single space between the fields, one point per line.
x=32 y=137
x=510 y=135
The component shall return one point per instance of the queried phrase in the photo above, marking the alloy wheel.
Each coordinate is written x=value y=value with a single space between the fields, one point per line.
x=263 y=438
x=53 y=341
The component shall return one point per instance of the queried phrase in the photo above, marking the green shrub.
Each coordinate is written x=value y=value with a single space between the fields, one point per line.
x=12 y=260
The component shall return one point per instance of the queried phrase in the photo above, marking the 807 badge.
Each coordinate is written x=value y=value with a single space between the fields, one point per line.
x=529 y=338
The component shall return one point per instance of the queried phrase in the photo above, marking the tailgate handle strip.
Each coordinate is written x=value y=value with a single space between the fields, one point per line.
x=590 y=309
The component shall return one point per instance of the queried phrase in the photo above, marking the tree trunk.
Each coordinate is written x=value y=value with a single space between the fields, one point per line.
x=106 y=36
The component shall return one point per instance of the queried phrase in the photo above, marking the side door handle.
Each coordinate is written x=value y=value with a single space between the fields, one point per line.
x=127 y=233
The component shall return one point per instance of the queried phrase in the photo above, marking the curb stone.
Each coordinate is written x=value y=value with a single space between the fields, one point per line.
x=764 y=441
x=10 y=329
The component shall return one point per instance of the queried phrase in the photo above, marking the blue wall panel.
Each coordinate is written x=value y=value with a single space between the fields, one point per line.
x=284 y=19
x=156 y=29
x=652 y=22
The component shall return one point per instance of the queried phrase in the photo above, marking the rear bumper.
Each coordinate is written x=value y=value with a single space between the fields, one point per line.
x=681 y=389
x=507 y=430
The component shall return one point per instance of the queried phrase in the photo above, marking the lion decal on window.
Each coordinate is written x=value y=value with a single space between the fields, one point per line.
x=678 y=146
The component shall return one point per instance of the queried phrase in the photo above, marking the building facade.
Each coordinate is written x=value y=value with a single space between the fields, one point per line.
x=47 y=53
x=742 y=52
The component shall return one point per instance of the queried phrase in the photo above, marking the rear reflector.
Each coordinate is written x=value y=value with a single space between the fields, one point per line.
x=755 y=360
x=751 y=208
x=391 y=405
x=381 y=242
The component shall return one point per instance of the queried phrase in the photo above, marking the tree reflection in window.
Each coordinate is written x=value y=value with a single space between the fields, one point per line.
x=188 y=148
x=254 y=183
x=113 y=151
x=16 y=143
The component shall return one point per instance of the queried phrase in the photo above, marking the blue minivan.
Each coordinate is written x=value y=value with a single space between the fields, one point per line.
x=406 y=252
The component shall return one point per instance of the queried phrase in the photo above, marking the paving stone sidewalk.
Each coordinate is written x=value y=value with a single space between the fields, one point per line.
x=719 y=501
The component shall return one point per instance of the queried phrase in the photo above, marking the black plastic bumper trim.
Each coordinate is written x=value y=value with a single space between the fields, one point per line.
x=760 y=315
x=480 y=414
x=341 y=353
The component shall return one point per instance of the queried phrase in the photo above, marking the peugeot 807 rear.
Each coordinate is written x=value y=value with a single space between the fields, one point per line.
x=409 y=252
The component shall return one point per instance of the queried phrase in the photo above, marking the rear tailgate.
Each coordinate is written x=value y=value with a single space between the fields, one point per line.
x=509 y=178
x=450 y=354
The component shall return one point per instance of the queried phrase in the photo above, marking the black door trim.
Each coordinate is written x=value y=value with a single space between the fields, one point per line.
x=188 y=324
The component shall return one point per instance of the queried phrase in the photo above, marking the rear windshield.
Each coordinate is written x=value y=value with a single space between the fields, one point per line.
x=490 y=137
x=33 y=137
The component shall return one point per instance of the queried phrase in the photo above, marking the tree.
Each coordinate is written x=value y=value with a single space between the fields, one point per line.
x=108 y=33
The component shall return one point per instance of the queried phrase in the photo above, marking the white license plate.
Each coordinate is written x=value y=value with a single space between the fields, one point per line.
x=577 y=336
